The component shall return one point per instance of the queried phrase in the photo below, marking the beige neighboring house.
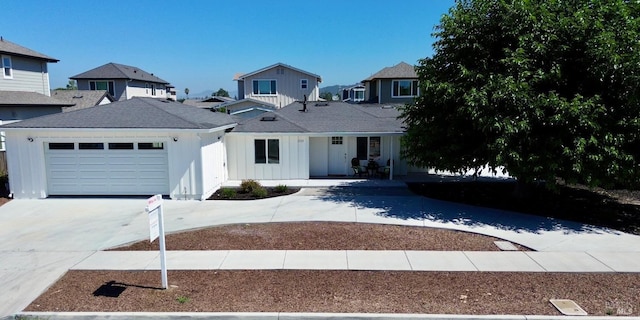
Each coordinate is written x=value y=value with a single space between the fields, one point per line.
x=82 y=98
x=278 y=85
x=122 y=82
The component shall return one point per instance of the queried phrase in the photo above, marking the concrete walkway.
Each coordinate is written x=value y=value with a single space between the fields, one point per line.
x=42 y=239
x=396 y=260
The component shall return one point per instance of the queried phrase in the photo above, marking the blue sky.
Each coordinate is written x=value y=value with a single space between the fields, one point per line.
x=201 y=45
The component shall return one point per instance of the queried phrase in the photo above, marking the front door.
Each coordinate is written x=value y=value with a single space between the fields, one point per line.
x=337 y=156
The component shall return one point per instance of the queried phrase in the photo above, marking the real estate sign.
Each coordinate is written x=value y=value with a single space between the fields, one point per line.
x=156 y=230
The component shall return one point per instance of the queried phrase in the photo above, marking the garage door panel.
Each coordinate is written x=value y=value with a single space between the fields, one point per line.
x=107 y=172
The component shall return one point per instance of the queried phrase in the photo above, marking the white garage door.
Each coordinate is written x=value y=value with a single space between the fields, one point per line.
x=107 y=168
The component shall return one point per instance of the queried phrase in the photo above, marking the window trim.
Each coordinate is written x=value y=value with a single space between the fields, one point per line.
x=273 y=83
x=415 y=91
x=304 y=84
x=4 y=67
x=110 y=84
x=267 y=160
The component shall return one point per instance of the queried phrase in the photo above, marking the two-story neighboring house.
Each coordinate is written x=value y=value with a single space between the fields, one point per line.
x=122 y=82
x=24 y=85
x=394 y=85
x=278 y=85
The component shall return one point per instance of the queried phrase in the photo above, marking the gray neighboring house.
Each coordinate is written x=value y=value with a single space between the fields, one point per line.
x=81 y=99
x=209 y=103
x=122 y=82
x=141 y=146
x=395 y=85
x=317 y=141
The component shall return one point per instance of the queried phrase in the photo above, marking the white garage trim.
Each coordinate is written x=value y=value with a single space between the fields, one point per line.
x=106 y=167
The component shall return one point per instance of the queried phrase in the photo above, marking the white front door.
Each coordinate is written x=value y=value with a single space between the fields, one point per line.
x=337 y=156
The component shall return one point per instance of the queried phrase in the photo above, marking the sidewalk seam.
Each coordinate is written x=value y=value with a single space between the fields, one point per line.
x=471 y=261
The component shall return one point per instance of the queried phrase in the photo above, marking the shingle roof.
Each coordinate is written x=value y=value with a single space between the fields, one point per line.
x=81 y=98
x=8 y=47
x=401 y=70
x=118 y=71
x=328 y=117
x=135 y=113
x=27 y=98
x=241 y=76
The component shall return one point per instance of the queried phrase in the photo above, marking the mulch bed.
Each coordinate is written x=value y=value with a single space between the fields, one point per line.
x=239 y=195
x=342 y=291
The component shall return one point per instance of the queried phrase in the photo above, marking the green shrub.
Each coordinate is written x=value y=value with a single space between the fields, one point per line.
x=280 y=188
x=227 y=193
x=259 y=192
x=249 y=185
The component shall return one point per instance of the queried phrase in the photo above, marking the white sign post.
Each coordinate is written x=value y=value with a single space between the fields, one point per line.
x=156 y=230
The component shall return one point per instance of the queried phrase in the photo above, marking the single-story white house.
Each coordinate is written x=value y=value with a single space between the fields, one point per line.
x=141 y=146
x=316 y=139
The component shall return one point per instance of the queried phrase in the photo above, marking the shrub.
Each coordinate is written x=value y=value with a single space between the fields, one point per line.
x=249 y=185
x=227 y=193
x=259 y=192
x=280 y=188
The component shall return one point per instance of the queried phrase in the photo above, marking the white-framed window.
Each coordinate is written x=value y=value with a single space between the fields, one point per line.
x=7 y=69
x=404 y=88
x=358 y=95
x=368 y=148
x=103 y=85
x=2 y=141
x=153 y=89
x=264 y=87
x=336 y=140
x=304 y=84
x=267 y=151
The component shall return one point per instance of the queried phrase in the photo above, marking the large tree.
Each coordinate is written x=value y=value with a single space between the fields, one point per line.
x=220 y=93
x=545 y=89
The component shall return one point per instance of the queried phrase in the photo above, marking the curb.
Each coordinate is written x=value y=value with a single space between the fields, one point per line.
x=285 y=316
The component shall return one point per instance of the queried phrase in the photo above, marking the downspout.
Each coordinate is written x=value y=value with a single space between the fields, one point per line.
x=391 y=164
x=379 y=91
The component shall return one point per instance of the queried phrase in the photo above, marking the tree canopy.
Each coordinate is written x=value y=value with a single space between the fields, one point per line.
x=221 y=93
x=544 y=89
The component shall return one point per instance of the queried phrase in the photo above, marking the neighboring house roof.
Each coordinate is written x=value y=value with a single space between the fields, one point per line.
x=247 y=101
x=327 y=118
x=135 y=113
x=8 y=47
x=401 y=70
x=26 y=98
x=240 y=76
x=118 y=71
x=219 y=99
x=81 y=98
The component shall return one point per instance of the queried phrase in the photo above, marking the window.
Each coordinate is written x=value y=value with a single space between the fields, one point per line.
x=336 y=140
x=146 y=88
x=2 y=141
x=7 y=70
x=267 y=151
x=103 y=85
x=153 y=89
x=61 y=146
x=264 y=87
x=368 y=148
x=358 y=95
x=404 y=88
x=304 y=83
x=150 y=146
x=91 y=146
x=121 y=146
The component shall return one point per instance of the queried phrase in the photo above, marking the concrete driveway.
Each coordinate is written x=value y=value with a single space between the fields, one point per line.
x=42 y=239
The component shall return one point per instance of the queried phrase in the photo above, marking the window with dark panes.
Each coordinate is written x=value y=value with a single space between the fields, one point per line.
x=150 y=146
x=374 y=148
x=121 y=146
x=362 y=147
x=273 y=150
x=267 y=151
x=61 y=146
x=261 y=151
x=91 y=146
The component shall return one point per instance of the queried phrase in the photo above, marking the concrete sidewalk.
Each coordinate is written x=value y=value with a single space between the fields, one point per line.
x=394 y=260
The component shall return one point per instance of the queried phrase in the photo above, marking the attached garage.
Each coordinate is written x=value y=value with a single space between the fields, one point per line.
x=141 y=146
x=114 y=168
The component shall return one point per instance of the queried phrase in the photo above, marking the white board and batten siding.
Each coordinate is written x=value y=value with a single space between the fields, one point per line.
x=288 y=86
x=293 y=164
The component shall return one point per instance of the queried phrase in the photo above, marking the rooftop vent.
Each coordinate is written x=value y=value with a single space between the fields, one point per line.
x=324 y=104
x=76 y=97
x=304 y=104
x=268 y=118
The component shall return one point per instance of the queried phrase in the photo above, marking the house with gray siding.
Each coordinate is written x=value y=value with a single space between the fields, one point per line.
x=122 y=82
x=395 y=85
x=278 y=85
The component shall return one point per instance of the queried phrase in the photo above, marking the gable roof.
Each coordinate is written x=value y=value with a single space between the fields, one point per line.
x=135 y=113
x=118 y=71
x=328 y=118
x=248 y=101
x=81 y=98
x=401 y=70
x=10 y=48
x=240 y=76
x=27 y=98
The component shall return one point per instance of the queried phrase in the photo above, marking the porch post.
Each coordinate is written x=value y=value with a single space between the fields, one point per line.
x=391 y=163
